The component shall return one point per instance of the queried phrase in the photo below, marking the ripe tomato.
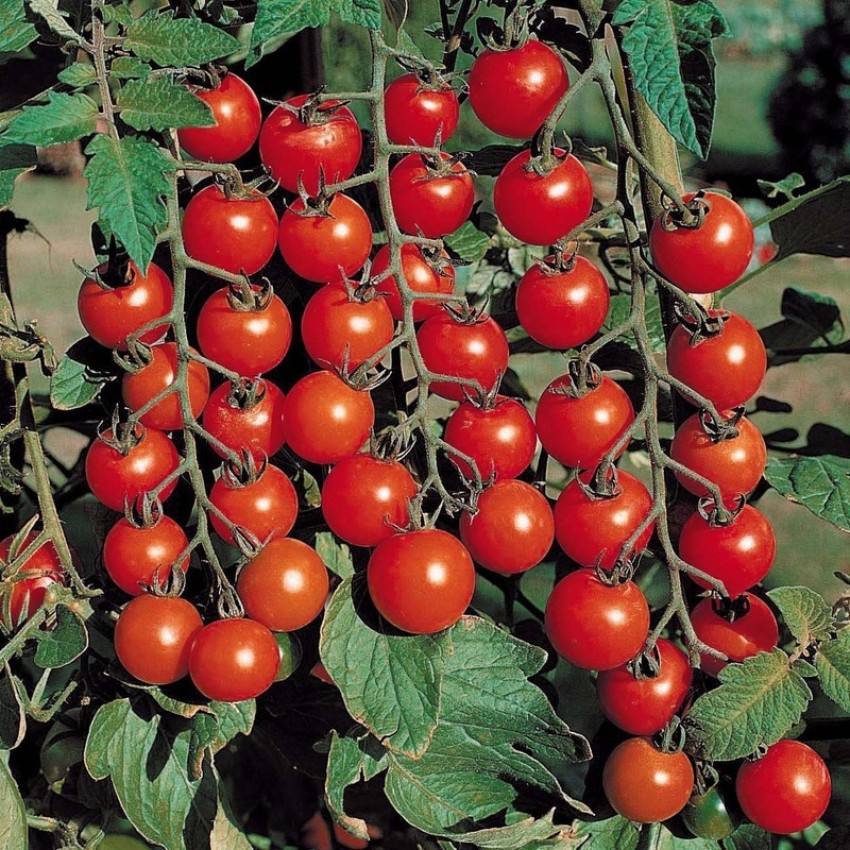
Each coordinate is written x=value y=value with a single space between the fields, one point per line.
x=727 y=368
x=133 y=555
x=321 y=247
x=786 y=790
x=249 y=339
x=327 y=420
x=561 y=199
x=419 y=109
x=514 y=91
x=257 y=427
x=473 y=348
x=420 y=275
x=739 y=554
x=750 y=633
x=646 y=706
x=43 y=566
x=421 y=581
x=578 y=432
x=234 y=660
x=338 y=327
x=435 y=201
x=234 y=234
x=645 y=784
x=592 y=530
x=705 y=258
x=593 y=625
x=237 y=116
x=499 y=437
x=116 y=478
x=512 y=530
x=154 y=636
x=111 y=315
x=302 y=139
x=266 y=506
x=364 y=497
x=139 y=388
x=284 y=587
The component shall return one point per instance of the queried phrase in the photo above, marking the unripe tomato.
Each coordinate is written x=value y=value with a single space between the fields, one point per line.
x=706 y=816
x=45 y=568
x=420 y=275
x=418 y=110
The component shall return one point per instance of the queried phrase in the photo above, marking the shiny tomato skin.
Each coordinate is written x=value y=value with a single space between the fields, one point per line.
x=595 y=626
x=45 y=568
x=646 y=785
x=284 y=587
x=316 y=247
x=512 y=92
x=785 y=791
x=234 y=234
x=417 y=112
x=111 y=315
x=420 y=277
x=646 y=706
x=364 y=497
x=421 y=581
x=236 y=111
x=512 y=530
x=234 y=660
x=706 y=816
x=132 y=555
x=289 y=148
x=249 y=342
x=561 y=199
x=436 y=204
x=154 y=636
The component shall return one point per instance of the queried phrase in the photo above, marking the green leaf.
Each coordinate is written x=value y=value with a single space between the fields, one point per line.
x=55 y=20
x=618 y=312
x=468 y=242
x=212 y=730
x=805 y=612
x=77 y=381
x=13 y=824
x=185 y=41
x=669 y=841
x=79 y=75
x=783 y=188
x=14 y=161
x=336 y=555
x=614 y=833
x=66 y=640
x=128 y=180
x=16 y=33
x=130 y=68
x=159 y=104
x=747 y=837
x=65 y=118
x=13 y=720
x=833 y=665
x=668 y=45
x=311 y=492
x=821 y=484
x=756 y=704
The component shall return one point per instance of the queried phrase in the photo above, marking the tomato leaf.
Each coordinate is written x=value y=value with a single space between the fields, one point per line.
x=833 y=666
x=805 y=612
x=78 y=75
x=167 y=41
x=468 y=243
x=13 y=719
x=16 y=32
x=747 y=837
x=618 y=312
x=669 y=841
x=158 y=104
x=14 y=161
x=616 y=833
x=80 y=375
x=57 y=22
x=566 y=38
x=130 y=68
x=783 y=188
x=13 y=824
x=212 y=730
x=64 y=118
x=336 y=555
x=63 y=642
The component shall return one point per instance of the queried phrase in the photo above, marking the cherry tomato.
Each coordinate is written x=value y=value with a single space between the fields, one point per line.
x=418 y=110
x=323 y=247
x=421 y=581
x=234 y=660
x=302 y=141
x=249 y=340
x=327 y=420
x=234 y=234
x=593 y=625
x=134 y=555
x=339 y=327
x=645 y=706
x=290 y=655
x=420 y=275
x=706 y=816
x=139 y=388
x=473 y=348
x=705 y=258
x=727 y=368
x=645 y=784
x=364 y=497
x=284 y=587
x=434 y=201
x=785 y=791
x=237 y=116
x=111 y=315
x=561 y=199
x=154 y=636
x=43 y=566
x=514 y=91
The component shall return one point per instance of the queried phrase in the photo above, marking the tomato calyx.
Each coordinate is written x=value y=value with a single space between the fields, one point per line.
x=561 y=262
x=514 y=32
x=602 y=483
x=722 y=515
x=246 y=394
x=245 y=297
x=545 y=159
x=364 y=377
x=444 y=165
x=731 y=609
x=316 y=110
x=121 y=436
x=672 y=738
x=700 y=323
x=646 y=664
x=138 y=355
x=392 y=444
x=144 y=512
x=687 y=216
x=18 y=546
x=725 y=428
x=464 y=313
x=583 y=378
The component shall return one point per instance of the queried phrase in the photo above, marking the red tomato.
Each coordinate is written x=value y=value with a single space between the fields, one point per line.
x=593 y=625
x=561 y=199
x=44 y=569
x=111 y=315
x=705 y=258
x=514 y=91
x=234 y=234
x=646 y=706
x=418 y=110
x=420 y=275
x=236 y=112
x=364 y=497
x=434 y=201
x=421 y=581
